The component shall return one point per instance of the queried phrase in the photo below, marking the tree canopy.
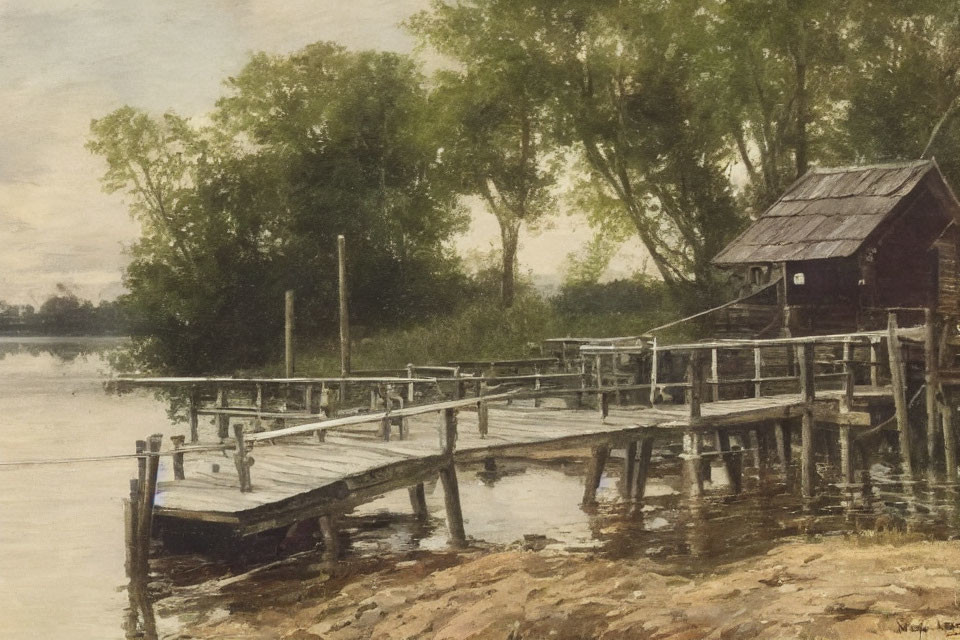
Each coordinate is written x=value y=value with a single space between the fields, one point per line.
x=301 y=149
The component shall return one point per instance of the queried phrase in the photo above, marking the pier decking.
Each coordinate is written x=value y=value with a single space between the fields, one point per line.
x=295 y=449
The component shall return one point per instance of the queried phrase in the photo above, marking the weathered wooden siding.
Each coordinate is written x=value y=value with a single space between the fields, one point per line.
x=948 y=278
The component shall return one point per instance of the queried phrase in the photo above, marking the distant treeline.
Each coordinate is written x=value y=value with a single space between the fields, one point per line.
x=63 y=315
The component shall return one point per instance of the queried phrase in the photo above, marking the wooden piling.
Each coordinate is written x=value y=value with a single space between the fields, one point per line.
x=418 y=500
x=483 y=418
x=148 y=490
x=846 y=455
x=598 y=460
x=448 y=477
x=931 y=384
x=781 y=432
x=329 y=531
x=899 y=384
x=411 y=386
x=949 y=442
x=808 y=470
x=178 y=457
x=130 y=518
x=639 y=488
x=141 y=446
x=288 y=333
x=344 y=314
x=629 y=468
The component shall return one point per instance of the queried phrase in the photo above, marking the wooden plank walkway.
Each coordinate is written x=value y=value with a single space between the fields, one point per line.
x=299 y=477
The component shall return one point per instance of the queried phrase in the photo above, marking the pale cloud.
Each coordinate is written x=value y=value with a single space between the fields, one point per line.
x=65 y=62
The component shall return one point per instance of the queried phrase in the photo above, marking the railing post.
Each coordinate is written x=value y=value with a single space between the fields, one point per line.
x=242 y=460
x=757 y=372
x=194 y=417
x=695 y=382
x=899 y=385
x=849 y=382
x=715 y=373
x=178 y=456
x=808 y=470
x=536 y=387
x=483 y=418
x=653 y=373
x=874 y=362
x=308 y=398
x=411 y=386
x=222 y=420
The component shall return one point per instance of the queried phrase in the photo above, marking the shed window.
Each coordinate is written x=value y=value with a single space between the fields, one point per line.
x=798 y=278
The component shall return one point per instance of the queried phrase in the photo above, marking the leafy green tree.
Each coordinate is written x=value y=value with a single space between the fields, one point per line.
x=302 y=148
x=491 y=113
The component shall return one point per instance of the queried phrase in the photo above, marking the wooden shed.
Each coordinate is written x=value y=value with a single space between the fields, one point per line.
x=848 y=244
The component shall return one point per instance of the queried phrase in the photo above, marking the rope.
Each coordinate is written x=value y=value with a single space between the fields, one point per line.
x=722 y=306
x=119 y=456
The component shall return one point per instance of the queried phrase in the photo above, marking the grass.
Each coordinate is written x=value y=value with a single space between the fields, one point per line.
x=482 y=330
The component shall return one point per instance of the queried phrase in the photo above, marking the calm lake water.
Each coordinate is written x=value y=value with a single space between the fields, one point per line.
x=61 y=527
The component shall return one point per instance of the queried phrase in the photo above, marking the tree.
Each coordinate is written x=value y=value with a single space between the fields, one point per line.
x=492 y=117
x=302 y=148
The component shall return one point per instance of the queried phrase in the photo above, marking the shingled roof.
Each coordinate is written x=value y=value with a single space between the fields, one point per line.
x=830 y=213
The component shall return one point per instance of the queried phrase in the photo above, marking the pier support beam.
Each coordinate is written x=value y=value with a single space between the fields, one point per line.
x=595 y=472
x=418 y=500
x=846 y=455
x=808 y=470
x=629 y=469
x=781 y=432
x=932 y=382
x=448 y=477
x=331 y=539
x=949 y=442
x=638 y=487
x=899 y=384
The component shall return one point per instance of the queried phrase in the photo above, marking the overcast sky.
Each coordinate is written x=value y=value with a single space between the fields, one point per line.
x=65 y=62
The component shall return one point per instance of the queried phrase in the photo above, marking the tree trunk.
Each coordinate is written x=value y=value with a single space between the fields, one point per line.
x=509 y=234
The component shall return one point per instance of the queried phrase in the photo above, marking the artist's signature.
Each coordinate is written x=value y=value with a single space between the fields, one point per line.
x=950 y=626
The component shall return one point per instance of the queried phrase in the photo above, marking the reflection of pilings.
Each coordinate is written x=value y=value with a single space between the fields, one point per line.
x=639 y=483
x=331 y=539
x=140 y=621
x=732 y=460
x=595 y=472
x=629 y=469
x=418 y=500
x=692 y=450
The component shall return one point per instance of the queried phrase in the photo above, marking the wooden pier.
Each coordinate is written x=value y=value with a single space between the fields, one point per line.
x=281 y=454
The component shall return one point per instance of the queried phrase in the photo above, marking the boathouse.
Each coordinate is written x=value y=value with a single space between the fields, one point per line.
x=843 y=246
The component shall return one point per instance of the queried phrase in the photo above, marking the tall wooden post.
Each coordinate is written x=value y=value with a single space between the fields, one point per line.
x=148 y=490
x=448 y=477
x=288 y=333
x=949 y=442
x=846 y=455
x=931 y=383
x=222 y=420
x=899 y=384
x=874 y=362
x=695 y=382
x=692 y=469
x=344 y=315
x=808 y=469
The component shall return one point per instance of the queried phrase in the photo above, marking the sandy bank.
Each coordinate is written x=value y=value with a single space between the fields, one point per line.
x=854 y=588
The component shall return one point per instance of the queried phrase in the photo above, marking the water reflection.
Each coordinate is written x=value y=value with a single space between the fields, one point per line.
x=63 y=349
